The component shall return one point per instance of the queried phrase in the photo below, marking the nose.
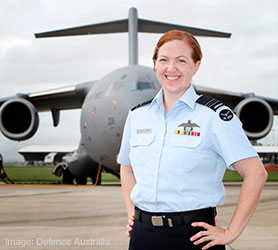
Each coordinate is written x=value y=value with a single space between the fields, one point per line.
x=172 y=66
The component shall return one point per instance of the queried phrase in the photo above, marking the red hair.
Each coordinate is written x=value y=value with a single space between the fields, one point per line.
x=180 y=35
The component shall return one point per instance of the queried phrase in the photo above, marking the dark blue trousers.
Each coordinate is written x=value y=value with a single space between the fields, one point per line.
x=148 y=237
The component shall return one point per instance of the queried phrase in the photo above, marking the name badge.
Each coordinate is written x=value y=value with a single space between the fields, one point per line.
x=143 y=130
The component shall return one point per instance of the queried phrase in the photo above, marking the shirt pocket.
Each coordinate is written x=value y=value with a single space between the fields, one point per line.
x=184 y=152
x=186 y=141
x=140 y=147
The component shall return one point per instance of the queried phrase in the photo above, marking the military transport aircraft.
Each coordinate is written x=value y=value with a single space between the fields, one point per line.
x=106 y=102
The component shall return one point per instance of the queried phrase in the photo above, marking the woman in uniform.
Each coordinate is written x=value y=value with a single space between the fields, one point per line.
x=174 y=152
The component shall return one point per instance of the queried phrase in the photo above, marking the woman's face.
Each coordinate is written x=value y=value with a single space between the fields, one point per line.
x=175 y=67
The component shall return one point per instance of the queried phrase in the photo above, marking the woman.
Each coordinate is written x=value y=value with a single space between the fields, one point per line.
x=175 y=149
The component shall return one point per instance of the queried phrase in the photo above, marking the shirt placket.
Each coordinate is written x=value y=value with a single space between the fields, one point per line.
x=161 y=140
x=157 y=151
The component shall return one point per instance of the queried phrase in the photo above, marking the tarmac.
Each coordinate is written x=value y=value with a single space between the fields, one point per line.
x=85 y=217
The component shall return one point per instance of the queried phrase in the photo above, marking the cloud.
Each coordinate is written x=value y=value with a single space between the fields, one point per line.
x=10 y=42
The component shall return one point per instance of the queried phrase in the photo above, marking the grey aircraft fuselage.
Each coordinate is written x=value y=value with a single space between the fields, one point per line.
x=106 y=106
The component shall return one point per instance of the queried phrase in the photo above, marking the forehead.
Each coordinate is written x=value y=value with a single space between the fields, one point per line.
x=175 y=48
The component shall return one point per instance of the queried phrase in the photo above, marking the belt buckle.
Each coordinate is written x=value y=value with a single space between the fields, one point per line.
x=157 y=221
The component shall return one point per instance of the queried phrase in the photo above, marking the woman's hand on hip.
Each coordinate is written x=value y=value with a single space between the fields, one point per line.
x=214 y=235
x=130 y=225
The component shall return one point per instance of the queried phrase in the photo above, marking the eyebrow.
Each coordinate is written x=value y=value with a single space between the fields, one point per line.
x=175 y=57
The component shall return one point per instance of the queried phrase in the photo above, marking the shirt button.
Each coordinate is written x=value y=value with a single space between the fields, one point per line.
x=154 y=154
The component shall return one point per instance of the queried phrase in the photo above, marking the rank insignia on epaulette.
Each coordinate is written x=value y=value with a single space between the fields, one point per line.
x=141 y=104
x=210 y=102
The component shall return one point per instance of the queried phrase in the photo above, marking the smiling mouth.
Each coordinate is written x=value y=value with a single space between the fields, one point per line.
x=172 y=78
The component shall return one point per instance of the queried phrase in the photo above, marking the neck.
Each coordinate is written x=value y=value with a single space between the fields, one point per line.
x=170 y=99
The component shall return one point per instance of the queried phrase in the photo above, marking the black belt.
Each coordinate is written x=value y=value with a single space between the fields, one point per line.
x=173 y=219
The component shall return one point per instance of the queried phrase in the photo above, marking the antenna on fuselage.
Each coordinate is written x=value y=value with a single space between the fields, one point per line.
x=132 y=25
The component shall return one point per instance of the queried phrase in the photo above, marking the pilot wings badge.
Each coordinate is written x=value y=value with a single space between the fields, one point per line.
x=188 y=129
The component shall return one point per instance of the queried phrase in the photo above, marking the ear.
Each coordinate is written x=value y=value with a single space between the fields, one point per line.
x=197 y=66
x=154 y=67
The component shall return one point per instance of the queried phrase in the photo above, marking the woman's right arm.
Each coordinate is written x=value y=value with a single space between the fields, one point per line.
x=128 y=181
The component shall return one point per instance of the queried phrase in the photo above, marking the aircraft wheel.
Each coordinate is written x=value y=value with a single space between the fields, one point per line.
x=67 y=177
x=81 y=180
x=94 y=179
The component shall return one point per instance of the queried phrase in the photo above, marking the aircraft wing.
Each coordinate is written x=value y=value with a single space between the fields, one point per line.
x=19 y=118
x=232 y=99
x=70 y=97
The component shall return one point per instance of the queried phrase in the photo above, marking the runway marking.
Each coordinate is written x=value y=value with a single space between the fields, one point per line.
x=64 y=219
x=36 y=194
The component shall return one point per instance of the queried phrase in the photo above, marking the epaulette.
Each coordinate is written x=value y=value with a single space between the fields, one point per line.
x=142 y=104
x=210 y=102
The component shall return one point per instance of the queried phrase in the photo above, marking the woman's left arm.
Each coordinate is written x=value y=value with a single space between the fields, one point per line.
x=255 y=176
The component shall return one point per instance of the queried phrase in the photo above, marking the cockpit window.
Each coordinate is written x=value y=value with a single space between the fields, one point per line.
x=144 y=85
x=128 y=86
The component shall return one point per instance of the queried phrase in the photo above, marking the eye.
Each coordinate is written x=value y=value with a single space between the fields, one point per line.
x=163 y=60
x=182 y=61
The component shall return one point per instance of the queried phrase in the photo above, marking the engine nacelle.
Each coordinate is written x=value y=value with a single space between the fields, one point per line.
x=256 y=116
x=19 y=119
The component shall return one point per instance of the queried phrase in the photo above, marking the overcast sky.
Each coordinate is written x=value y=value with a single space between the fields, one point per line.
x=247 y=62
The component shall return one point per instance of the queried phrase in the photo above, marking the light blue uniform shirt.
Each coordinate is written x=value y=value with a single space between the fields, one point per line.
x=179 y=159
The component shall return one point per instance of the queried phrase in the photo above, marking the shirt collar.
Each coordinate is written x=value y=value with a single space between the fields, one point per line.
x=158 y=98
x=189 y=98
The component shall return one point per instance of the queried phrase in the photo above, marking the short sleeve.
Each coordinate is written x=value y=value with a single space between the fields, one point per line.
x=230 y=141
x=123 y=157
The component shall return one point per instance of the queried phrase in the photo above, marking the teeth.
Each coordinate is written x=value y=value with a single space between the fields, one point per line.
x=172 y=77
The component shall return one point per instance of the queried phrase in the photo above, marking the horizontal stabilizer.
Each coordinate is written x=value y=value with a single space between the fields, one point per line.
x=120 y=26
x=159 y=27
x=100 y=28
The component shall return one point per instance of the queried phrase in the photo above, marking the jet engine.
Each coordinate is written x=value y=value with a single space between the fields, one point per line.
x=19 y=119
x=256 y=116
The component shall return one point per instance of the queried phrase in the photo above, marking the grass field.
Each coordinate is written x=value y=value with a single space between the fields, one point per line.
x=43 y=174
